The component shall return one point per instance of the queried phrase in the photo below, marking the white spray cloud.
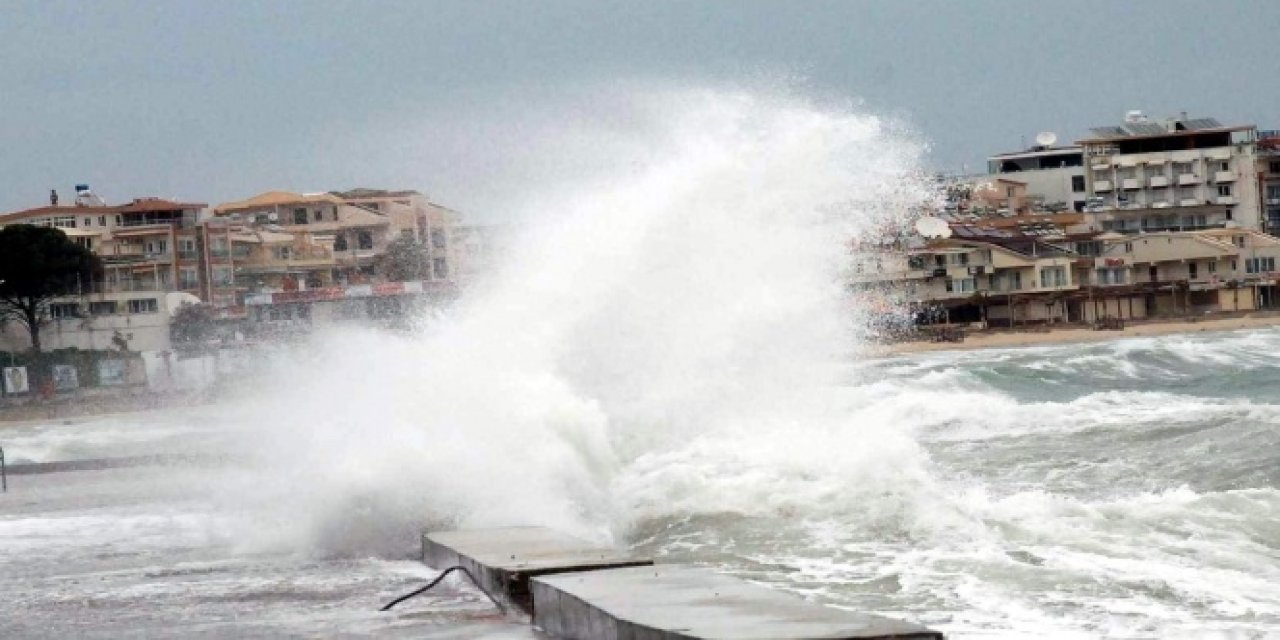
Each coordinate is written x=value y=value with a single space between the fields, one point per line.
x=664 y=338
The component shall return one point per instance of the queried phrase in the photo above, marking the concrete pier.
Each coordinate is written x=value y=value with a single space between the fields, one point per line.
x=683 y=602
x=503 y=560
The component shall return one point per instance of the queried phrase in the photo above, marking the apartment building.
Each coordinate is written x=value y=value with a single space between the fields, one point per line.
x=283 y=241
x=1176 y=174
x=1054 y=176
x=1269 y=179
x=1009 y=276
x=148 y=244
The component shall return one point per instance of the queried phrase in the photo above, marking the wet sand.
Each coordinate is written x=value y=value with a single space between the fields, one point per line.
x=1067 y=334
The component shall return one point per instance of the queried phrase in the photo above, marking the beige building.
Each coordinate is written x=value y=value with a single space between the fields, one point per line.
x=1177 y=174
x=282 y=241
x=148 y=244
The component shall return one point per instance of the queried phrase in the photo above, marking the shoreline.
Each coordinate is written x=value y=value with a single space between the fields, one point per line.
x=1076 y=334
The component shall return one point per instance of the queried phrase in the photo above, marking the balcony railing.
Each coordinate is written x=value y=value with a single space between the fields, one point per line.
x=1188 y=178
x=1224 y=176
x=1156 y=182
x=1131 y=184
x=1102 y=185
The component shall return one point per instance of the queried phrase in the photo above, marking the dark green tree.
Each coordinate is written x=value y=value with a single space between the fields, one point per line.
x=405 y=259
x=192 y=326
x=37 y=265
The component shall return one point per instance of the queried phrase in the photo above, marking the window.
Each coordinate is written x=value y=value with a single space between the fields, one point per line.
x=441 y=268
x=340 y=242
x=1273 y=192
x=117 y=221
x=1212 y=266
x=1128 y=247
x=1077 y=184
x=1238 y=241
x=1275 y=167
x=156 y=247
x=299 y=216
x=60 y=310
x=282 y=253
x=1112 y=276
x=438 y=239
x=1224 y=189
x=64 y=222
x=1230 y=214
x=143 y=305
x=102 y=221
x=85 y=242
x=364 y=240
x=1260 y=265
x=104 y=308
x=223 y=276
x=1224 y=166
x=1053 y=277
x=1193 y=272
x=317 y=216
x=188 y=278
x=87 y=222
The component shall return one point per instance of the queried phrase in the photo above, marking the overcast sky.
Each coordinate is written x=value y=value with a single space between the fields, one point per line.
x=215 y=101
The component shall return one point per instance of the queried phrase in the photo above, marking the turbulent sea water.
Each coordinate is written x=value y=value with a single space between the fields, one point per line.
x=1123 y=489
x=668 y=359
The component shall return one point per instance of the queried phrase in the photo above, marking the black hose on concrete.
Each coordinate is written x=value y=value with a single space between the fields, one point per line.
x=437 y=580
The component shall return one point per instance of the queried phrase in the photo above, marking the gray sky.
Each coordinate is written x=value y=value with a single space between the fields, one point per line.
x=216 y=101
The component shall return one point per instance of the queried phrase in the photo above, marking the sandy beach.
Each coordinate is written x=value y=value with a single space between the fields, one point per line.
x=1067 y=334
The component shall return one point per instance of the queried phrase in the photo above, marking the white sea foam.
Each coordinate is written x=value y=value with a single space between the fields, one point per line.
x=660 y=342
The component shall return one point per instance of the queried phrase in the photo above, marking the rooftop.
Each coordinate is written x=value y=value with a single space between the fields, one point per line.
x=275 y=199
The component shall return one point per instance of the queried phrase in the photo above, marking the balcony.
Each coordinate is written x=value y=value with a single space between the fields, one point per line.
x=1101 y=186
x=1131 y=184
x=1161 y=204
x=1156 y=182
x=1224 y=176
x=1188 y=202
x=1188 y=178
x=1226 y=200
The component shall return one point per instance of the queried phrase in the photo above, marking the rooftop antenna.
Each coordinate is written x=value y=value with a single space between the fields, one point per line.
x=933 y=227
x=1046 y=138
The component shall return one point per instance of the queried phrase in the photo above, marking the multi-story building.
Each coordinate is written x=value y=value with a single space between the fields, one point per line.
x=1054 y=175
x=1269 y=179
x=1177 y=174
x=282 y=241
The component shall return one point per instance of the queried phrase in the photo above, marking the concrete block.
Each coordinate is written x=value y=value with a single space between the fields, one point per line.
x=665 y=602
x=504 y=559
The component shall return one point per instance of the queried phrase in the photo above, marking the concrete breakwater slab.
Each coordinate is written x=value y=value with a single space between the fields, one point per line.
x=504 y=559
x=678 y=601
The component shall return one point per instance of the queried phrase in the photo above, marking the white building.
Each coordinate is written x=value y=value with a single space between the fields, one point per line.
x=1177 y=174
x=95 y=320
x=1053 y=175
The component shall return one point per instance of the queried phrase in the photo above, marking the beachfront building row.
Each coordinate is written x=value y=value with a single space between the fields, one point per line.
x=1142 y=175
x=1010 y=277
x=276 y=242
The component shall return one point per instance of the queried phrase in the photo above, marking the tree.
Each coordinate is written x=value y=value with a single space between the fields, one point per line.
x=405 y=259
x=192 y=326
x=37 y=265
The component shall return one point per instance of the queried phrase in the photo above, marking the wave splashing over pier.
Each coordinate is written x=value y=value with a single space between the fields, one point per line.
x=665 y=339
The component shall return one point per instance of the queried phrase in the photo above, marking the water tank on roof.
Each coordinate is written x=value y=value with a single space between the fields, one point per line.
x=1134 y=116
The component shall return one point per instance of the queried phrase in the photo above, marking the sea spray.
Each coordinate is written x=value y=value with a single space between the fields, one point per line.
x=666 y=339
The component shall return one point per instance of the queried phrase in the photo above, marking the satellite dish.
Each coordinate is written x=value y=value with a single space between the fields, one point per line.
x=933 y=228
x=1046 y=138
